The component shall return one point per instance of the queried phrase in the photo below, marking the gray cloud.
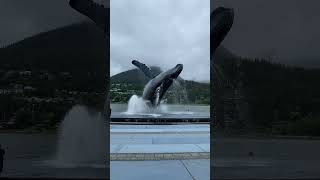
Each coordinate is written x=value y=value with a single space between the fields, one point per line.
x=21 y=19
x=162 y=33
x=287 y=30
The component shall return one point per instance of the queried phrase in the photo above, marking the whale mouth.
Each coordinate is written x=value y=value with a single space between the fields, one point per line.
x=178 y=69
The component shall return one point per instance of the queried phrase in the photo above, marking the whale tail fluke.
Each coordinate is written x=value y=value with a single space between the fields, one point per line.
x=96 y=12
x=221 y=23
x=144 y=68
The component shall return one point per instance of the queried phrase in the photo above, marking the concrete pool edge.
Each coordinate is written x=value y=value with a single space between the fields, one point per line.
x=158 y=156
x=161 y=120
x=159 y=131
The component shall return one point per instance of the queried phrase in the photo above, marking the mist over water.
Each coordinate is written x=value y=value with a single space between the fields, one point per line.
x=82 y=138
x=137 y=105
x=180 y=86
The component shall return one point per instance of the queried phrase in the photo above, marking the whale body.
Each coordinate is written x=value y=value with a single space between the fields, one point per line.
x=157 y=86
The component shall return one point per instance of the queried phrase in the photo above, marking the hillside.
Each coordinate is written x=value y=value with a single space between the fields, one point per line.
x=134 y=76
x=79 y=49
x=263 y=96
x=196 y=92
x=43 y=76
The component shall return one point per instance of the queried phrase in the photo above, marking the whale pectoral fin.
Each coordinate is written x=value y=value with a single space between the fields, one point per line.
x=144 y=68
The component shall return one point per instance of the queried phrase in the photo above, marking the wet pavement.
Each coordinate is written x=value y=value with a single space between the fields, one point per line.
x=242 y=158
x=159 y=170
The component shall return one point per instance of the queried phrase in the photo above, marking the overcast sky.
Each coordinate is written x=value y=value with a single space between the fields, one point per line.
x=24 y=18
x=162 y=33
x=288 y=30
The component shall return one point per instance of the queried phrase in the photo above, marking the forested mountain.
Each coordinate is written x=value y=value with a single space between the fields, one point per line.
x=134 y=76
x=273 y=96
x=197 y=92
x=43 y=76
x=79 y=49
x=265 y=95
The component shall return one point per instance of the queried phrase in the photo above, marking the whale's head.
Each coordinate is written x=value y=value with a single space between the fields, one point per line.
x=175 y=72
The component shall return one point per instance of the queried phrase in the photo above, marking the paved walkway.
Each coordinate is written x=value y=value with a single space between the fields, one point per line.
x=269 y=159
x=177 y=152
x=190 y=128
x=158 y=170
x=159 y=142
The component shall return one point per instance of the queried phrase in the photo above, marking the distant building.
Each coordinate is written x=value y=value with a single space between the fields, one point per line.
x=18 y=86
x=44 y=75
x=65 y=74
x=11 y=91
x=25 y=73
x=9 y=74
x=51 y=77
x=29 y=88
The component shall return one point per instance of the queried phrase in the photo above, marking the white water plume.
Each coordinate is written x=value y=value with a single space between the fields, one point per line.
x=82 y=138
